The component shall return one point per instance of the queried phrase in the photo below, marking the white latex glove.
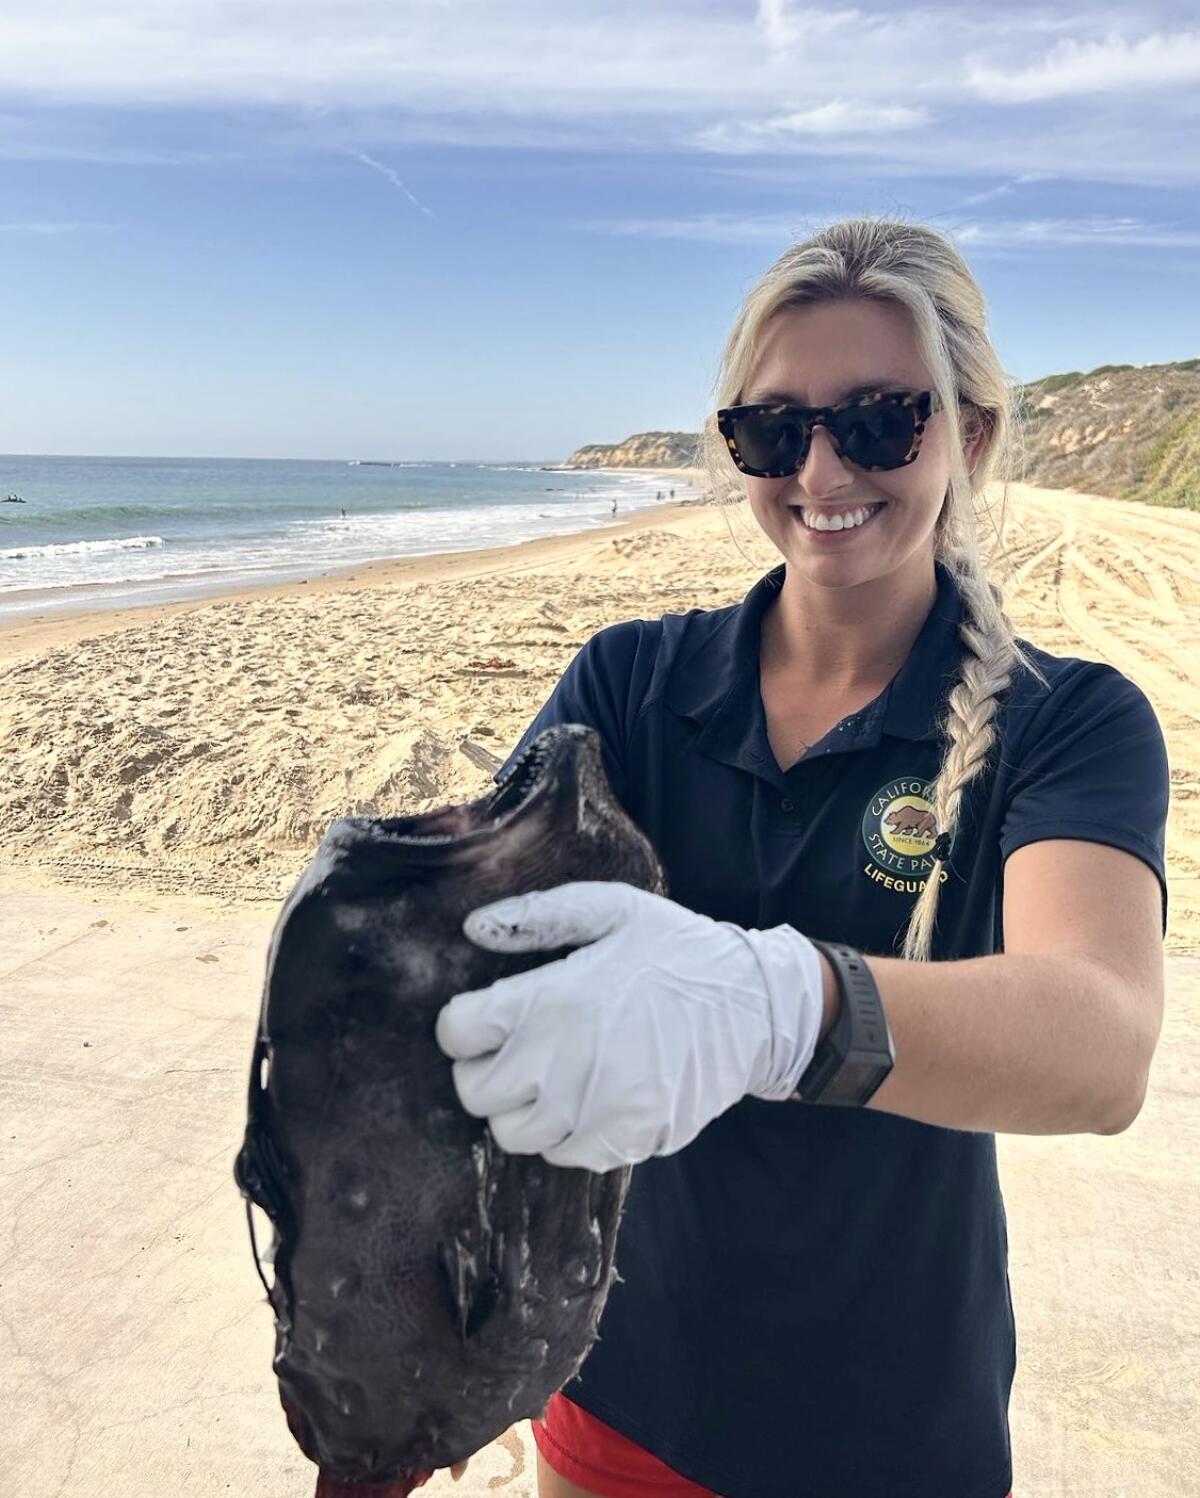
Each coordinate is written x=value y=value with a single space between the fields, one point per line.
x=629 y=1046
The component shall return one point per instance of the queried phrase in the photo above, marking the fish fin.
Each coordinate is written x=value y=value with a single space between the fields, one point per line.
x=472 y=1288
x=258 y=1170
x=262 y=1178
x=259 y=1173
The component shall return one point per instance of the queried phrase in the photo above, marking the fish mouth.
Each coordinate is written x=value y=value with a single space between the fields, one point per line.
x=568 y=753
x=566 y=756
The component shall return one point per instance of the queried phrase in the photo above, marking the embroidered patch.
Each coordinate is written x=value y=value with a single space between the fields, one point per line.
x=899 y=829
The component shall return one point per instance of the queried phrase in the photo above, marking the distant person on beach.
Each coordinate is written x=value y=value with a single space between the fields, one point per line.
x=343 y=514
x=614 y=507
x=672 y=494
x=658 y=495
x=916 y=898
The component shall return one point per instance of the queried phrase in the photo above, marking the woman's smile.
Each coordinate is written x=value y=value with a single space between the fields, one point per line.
x=824 y=522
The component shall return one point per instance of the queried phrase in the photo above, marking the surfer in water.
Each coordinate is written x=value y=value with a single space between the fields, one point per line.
x=916 y=898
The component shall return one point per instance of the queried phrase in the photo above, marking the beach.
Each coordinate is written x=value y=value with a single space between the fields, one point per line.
x=168 y=773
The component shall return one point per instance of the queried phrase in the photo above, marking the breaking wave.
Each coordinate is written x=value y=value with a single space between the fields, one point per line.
x=80 y=548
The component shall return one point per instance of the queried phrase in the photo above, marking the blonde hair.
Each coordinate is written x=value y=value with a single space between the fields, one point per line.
x=915 y=268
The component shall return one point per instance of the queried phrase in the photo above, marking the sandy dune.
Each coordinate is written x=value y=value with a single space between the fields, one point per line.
x=167 y=774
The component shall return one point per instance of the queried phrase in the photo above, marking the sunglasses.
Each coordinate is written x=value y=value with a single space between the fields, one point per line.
x=874 y=432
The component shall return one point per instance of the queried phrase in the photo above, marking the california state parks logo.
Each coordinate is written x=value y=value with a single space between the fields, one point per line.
x=899 y=829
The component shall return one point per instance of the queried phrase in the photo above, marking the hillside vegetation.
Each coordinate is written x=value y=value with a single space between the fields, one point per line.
x=1120 y=430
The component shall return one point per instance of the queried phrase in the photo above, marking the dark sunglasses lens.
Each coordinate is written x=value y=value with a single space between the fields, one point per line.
x=769 y=444
x=878 y=435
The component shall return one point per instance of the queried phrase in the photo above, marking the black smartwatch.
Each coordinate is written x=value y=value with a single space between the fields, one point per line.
x=849 y=1065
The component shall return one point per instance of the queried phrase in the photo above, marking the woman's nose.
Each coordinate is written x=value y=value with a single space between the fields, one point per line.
x=824 y=472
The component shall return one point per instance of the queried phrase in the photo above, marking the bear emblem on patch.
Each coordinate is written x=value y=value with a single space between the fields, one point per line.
x=899 y=829
x=911 y=820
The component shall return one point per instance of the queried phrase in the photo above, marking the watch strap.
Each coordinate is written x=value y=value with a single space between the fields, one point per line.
x=857 y=1054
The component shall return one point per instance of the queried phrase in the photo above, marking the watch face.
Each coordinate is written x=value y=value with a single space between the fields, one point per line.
x=856 y=1075
x=873 y=1056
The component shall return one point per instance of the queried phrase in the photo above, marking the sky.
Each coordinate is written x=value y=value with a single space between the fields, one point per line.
x=490 y=231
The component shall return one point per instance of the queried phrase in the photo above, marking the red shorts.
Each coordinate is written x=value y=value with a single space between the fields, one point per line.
x=594 y=1456
x=599 y=1459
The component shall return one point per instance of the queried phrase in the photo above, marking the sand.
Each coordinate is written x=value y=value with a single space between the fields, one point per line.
x=168 y=772
x=202 y=749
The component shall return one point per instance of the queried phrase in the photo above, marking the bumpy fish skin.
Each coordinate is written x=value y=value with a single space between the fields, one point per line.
x=429 y=1288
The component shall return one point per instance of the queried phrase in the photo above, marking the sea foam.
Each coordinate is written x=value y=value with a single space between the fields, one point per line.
x=78 y=548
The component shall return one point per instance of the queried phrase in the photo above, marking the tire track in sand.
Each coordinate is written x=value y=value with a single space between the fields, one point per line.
x=1117 y=581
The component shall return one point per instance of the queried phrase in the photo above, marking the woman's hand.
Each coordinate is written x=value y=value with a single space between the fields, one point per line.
x=630 y=1045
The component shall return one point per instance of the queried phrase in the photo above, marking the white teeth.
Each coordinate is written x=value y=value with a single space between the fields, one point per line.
x=843 y=522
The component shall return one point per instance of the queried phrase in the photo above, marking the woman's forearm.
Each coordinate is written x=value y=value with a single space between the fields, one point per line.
x=1011 y=1043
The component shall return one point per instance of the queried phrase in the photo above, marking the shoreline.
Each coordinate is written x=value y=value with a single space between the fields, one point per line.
x=24 y=634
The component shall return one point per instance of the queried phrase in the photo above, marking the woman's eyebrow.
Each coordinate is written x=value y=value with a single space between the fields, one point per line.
x=782 y=398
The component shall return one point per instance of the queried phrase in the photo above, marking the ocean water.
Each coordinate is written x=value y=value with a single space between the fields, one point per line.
x=115 y=532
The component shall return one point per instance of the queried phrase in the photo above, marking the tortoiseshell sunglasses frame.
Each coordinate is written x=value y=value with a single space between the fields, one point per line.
x=925 y=402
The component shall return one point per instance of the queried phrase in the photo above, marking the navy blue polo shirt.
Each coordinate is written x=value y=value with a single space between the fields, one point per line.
x=814 y=1301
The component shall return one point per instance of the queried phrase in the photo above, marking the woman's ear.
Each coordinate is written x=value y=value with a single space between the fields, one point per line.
x=976 y=428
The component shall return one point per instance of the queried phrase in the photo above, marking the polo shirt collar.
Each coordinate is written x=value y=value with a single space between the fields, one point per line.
x=717 y=684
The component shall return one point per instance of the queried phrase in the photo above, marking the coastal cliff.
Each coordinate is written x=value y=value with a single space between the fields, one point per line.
x=645 y=450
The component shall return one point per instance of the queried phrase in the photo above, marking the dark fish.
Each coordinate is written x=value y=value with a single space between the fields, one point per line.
x=429 y=1289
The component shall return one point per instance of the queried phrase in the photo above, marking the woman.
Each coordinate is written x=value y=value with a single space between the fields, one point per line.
x=814 y=1299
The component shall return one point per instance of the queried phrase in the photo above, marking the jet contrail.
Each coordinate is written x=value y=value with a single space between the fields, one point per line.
x=392 y=178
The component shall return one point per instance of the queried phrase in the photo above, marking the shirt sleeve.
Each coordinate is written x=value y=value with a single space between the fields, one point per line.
x=594 y=690
x=1094 y=767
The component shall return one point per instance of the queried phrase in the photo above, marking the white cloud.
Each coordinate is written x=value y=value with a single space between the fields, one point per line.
x=393 y=178
x=842 y=117
x=1002 y=189
x=544 y=59
x=39 y=227
x=785 y=25
x=895 y=89
x=853 y=124
x=1054 y=233
x=1103 y=66
x=471 y=57
x=707 y=228
x=972 y=200
x=1044 y=233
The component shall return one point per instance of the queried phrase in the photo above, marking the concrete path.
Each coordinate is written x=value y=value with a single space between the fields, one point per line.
x=134 y=1335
